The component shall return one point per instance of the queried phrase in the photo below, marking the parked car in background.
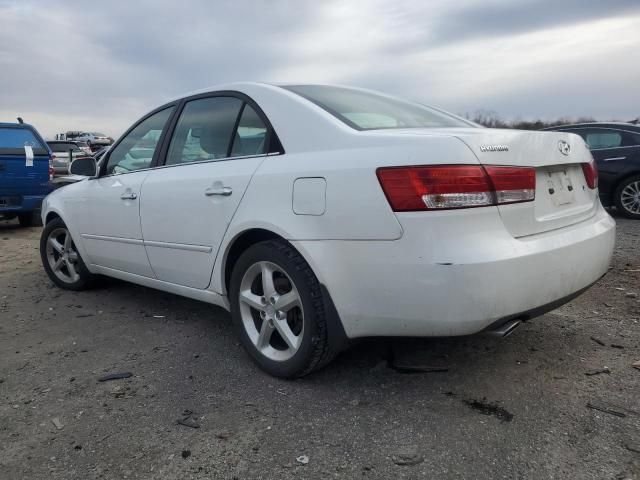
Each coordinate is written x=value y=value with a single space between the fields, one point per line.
x=95 y=139
x=318 y=214
x=616 y=150
x=64 y=152
x=24 y=172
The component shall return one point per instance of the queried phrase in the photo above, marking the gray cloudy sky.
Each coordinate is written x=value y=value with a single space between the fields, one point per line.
x=100 y=65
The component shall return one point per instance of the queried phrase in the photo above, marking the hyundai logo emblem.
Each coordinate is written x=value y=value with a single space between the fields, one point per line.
x=564 y=147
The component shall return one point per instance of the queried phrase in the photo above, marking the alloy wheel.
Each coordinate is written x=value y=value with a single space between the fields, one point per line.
x=62 y=255
x=630 y=197
x=271 y=311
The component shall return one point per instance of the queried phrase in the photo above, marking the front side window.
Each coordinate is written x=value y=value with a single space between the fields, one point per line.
x=365 y=110
x=204 y=130
x=136 y=150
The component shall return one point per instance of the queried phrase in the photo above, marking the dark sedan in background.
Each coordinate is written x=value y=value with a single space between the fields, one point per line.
x=616 y=150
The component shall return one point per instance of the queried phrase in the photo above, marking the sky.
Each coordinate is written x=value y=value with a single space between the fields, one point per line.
x=99 y=66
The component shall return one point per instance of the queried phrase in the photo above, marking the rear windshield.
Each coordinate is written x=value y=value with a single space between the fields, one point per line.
x=59 y=147
x=364 y=110
x=15 y=138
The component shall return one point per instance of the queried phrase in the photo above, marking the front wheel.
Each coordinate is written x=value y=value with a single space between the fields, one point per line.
x=278 y=310
x=627 y=197
x=61 y=259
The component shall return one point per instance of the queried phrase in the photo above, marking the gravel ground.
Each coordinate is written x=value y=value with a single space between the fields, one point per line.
x=509 y=408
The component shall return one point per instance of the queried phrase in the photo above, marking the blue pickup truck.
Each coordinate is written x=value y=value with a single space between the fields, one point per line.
x=24 y=173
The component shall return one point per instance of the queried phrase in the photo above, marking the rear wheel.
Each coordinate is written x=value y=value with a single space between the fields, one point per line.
x=278 y=310
x=30 y=219
x=61 y=259
x=627 y=197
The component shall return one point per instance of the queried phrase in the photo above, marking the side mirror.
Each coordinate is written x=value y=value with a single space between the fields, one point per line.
x=85 y=166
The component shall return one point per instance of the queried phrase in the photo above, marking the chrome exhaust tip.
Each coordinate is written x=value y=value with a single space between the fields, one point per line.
x=505 y=329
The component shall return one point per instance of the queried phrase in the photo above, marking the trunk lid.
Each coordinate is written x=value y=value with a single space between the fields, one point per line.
x=16 y=178
x=562 y=196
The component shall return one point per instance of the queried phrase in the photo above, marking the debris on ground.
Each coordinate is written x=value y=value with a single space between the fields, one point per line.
x=487 y=408
x=223 y=434
x=57 y=423
x=186 y=453
x=598 y=341
x=302 y=459
x=636 y=364
x=598 y=371
x=407 y=458
x=606 y=410
x=115 y=376
x=189 y=419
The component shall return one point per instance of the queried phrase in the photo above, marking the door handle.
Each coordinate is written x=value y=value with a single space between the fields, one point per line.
x=613 y=159
x=224 y=191
x=128 y=196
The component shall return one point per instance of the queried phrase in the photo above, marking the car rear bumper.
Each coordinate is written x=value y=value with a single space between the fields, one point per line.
x=457 y=272
x=20 y=204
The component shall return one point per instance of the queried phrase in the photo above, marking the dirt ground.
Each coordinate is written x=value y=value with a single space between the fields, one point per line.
x=521 y=407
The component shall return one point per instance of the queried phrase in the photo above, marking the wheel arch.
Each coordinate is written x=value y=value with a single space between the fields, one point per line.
x=245 y=239
x=240 y=243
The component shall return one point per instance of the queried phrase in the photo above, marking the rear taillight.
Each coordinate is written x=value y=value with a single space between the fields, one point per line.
x=590 y=171
x=51 y=170
x=455 y=186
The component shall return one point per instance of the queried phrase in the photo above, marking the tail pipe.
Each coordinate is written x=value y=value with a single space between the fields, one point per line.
x=505 y=329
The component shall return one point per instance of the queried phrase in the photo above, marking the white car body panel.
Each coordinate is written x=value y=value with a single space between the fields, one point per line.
x=181 y=247
x=393 y=274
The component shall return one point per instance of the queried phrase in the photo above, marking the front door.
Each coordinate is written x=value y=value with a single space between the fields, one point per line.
x=186 y=206
x=109 y=214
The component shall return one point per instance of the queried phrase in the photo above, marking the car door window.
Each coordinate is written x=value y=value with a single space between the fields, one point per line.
x=204 y=130
x=251 y=134
x=603 y=139
x=136 y=150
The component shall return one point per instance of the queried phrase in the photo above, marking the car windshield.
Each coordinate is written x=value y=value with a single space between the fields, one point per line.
x=364 y=110
x=58 y=147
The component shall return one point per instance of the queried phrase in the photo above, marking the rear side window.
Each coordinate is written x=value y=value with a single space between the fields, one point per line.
x=16 y=138
x=603 y=139
x=204 y=130
x=251 y=135
x=136 y=150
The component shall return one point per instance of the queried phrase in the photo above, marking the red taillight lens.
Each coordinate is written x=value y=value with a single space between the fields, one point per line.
x=590 y=171
x=455 y=186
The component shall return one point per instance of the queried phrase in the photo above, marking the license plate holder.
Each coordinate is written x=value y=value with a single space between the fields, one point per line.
x=560 y=188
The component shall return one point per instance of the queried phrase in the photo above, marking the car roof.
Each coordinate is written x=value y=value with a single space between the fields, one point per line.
x=15 y=125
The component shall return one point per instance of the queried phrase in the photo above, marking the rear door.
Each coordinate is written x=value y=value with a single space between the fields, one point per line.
x=562 y=196
x=218 y=143
x=108 y=212
x=22 y=175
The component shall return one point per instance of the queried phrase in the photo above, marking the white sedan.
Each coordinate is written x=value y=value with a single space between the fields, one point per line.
x=319 y=214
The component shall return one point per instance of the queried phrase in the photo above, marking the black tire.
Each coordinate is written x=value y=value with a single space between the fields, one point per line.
x=315 y=349
x=30 y=219
x=617 y=197
x=85 y=278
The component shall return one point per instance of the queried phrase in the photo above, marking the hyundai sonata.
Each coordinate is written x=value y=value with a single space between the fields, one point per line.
x=319 y=214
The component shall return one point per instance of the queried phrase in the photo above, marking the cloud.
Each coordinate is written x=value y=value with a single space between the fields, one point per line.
x=99 y=66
